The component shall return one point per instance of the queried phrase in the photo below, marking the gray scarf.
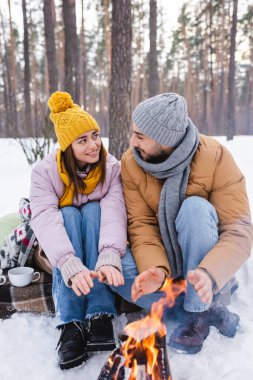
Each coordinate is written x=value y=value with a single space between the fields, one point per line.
x=175 y=170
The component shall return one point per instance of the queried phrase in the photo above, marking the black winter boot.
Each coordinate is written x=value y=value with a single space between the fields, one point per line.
x=100 y=333
x=189 y=336
x=72 y=345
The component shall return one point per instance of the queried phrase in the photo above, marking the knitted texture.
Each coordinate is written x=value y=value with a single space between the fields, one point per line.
x=74 y=265
x=108 y=257
x=70 y=120
x=163 y=117
x=71 y=267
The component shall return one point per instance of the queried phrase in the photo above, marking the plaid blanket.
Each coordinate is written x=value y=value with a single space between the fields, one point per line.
x=34 y=298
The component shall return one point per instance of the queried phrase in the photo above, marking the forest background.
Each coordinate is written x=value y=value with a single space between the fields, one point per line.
x=112 y=54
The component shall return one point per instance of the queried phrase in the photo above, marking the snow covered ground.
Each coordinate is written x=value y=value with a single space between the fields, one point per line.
x=27 y=342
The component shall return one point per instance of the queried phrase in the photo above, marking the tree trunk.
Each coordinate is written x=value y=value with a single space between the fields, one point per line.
x=60 y=50
x=107 y=40
x=34 y=85
x=138 y=43
x=102 y=98
x=5 y=124
x=231 y=77
x=84 y=63
x=211 y=65
x=12 y=90
x=49 y=26
x=27 y=76
x=71 y=58
x=120 y=87
x=219 y=108
x=153 y=79
x=136 y=89
x=249 y=84
x=206 y=71
x=189 y=86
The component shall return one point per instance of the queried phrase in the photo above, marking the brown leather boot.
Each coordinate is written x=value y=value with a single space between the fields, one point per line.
x=189 y=336
x=226 y=322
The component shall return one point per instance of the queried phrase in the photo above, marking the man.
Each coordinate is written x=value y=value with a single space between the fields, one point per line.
x=188 y=214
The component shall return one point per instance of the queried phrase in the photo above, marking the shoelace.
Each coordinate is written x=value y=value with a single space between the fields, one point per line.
x=69 y=332
x=195 y=324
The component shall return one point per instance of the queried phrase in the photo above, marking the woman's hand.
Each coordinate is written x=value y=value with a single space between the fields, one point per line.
x=111 y=275
x=83 y=281
x=147 y=282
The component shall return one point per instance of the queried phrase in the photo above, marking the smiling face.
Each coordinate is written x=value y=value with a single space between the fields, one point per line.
x=86 y=148
x=149 y=150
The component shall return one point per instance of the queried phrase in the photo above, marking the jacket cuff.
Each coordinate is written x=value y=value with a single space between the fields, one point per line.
x=71 y=267
x=107 y=257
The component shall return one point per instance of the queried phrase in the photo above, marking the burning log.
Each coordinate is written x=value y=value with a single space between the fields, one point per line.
x=143 y=352
x=139 y=360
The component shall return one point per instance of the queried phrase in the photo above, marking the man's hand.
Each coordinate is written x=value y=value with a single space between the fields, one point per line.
x=83 y=281
x=147 y=282
x=111 y=274
x=202 y=283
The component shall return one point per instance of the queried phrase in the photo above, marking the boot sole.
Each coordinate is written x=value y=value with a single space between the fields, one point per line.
x=78 y=362
x=230 y=333
x=98 y=346
x=181 y=349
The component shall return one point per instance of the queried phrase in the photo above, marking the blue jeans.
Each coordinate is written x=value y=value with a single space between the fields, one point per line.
x=197 y=228
x=82 y=226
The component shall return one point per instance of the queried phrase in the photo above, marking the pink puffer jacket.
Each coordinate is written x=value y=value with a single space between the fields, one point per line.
x=47 y=220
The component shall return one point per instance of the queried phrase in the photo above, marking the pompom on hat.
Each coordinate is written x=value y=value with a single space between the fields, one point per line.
x=70 y=120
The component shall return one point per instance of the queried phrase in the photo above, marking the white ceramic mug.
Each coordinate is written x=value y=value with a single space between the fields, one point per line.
x=22 y=276
x=2 y=278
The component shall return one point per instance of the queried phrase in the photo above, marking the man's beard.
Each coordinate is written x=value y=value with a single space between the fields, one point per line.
x=156 y=158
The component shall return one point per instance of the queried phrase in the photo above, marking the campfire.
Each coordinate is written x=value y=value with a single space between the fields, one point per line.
x=143 y=352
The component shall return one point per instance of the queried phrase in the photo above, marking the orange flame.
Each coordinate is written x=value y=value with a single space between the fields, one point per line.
x=141 y=334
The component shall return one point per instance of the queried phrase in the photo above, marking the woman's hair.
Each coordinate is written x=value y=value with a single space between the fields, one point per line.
x=72 y=168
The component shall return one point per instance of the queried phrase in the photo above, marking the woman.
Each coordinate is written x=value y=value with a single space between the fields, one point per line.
x=79 y=219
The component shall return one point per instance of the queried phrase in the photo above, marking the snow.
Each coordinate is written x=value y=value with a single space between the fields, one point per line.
x=27 y=342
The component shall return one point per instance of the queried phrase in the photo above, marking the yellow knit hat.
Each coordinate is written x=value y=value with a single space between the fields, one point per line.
x=70 y=120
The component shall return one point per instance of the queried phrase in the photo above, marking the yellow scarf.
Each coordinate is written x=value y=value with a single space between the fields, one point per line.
x=90 y=181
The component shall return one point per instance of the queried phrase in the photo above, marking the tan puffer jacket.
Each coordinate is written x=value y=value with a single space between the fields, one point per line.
x=215 y=177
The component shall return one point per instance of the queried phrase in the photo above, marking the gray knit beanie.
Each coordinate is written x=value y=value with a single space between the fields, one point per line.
x=163 y=117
